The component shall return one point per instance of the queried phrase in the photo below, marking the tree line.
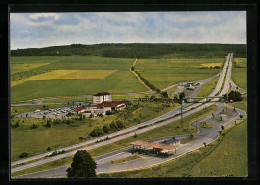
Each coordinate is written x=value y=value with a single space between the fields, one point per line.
x=137 y=50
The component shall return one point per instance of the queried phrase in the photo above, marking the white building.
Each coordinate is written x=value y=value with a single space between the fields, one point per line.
x=102 y=102
x=101 y=97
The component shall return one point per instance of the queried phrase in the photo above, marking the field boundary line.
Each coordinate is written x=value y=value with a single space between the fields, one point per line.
x=150 y=90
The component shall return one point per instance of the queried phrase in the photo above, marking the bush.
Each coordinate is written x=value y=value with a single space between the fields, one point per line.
x=109 y=112
x=96 y=132
x=105 y=128
x=69 y=114
x=24 y=154
x=34 y=126
x=120 y=124
x=16 y=125
x=48 y=149
x=241 y=116
x=113 y=126
x=48 y=124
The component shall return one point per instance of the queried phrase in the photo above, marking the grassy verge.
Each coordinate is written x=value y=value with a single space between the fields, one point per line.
x=208 y=87
x=170 y=129
x=206 y=161
x=172 y=90
x=241 y=105
x=125 y=159
x=239 y=72
x=205 y=125
x=188 y=139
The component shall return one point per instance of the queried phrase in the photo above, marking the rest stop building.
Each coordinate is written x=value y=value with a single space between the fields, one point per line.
x=101 y=103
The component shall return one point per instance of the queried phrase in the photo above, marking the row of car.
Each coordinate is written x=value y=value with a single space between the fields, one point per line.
x=57 y=111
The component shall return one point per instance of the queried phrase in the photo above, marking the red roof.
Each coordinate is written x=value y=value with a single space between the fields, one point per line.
x=79 y=109
x=102 y=94
x=110 y=104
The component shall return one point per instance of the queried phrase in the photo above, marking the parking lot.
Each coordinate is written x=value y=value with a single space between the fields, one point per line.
x=50 y=113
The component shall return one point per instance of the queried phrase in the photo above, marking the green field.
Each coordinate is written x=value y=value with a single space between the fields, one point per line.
x=239 y=72
x=115 y=78
x=165 y=72
x=36 y=141
x=208 y=87
x=221 y=158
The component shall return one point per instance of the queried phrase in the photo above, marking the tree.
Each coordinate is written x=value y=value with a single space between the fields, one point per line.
x=222 y=127
x=164 y=94
x=82 y=165
x=120 y=124
x=181 y=95
x=96 y=132
x=113 y=125
x=225 y=97
x=235 y=96
x=105 y=128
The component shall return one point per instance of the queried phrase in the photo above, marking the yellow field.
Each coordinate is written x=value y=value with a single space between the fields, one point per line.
x=68 y=74
x=25 y=66
x=211 y=64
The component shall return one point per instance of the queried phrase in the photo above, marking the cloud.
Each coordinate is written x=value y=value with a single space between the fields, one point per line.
x=43 y=16
x=47 y=29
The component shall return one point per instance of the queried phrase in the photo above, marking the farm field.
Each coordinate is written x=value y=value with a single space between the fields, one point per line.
x=165 y=72
x=73 y=76
x=20 y=67
x=67 y=75
x=239 y=72
x=36 y=141
x=207 y=161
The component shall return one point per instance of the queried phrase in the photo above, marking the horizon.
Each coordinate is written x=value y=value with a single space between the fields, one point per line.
x=124 y=43
x=38 y=30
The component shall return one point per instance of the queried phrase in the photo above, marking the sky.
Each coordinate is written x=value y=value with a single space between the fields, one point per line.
x=36 y=30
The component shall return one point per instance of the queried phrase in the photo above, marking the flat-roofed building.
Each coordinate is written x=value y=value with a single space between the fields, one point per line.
x=101 y=97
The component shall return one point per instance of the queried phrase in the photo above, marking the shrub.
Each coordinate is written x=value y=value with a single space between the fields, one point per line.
x=113 y=125
x=120 y=124
x=48 y=149
x=108 y=112
x=34 y=126
x=105 y=128
x=96 y=132
x=24 y=154
x=48 y=124
x=16 y=125
x=69 y=114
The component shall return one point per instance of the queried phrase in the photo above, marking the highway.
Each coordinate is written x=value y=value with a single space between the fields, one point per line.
x=160 y=118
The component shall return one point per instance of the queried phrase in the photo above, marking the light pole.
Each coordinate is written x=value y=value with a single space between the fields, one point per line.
x=181 y=114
